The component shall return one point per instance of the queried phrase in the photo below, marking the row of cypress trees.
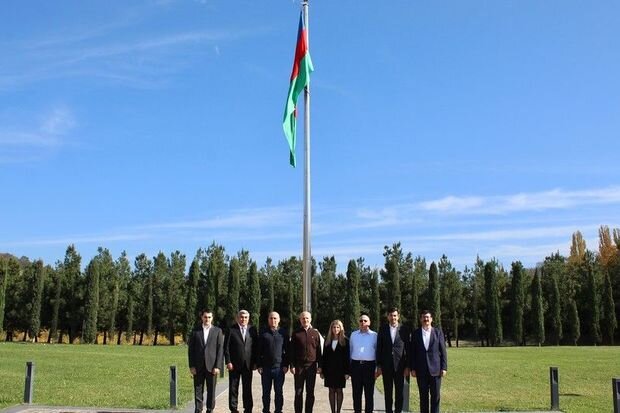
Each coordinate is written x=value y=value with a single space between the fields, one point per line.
x=562 y=300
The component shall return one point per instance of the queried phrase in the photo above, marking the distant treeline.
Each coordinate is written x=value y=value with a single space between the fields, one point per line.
x=563 y=300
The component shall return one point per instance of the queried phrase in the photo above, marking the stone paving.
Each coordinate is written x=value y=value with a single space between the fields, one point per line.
x=321 y=402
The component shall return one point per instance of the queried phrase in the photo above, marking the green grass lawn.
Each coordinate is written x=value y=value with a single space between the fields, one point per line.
x=517 y=378
x=94 y=375
x=479 y=379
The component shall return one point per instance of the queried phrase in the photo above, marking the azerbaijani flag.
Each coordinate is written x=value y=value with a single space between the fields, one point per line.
x=300 y=77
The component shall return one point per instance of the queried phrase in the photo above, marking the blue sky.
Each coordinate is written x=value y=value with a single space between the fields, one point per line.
x=484 y=128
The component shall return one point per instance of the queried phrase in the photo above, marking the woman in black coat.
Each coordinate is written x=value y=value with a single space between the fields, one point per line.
x=335 y=364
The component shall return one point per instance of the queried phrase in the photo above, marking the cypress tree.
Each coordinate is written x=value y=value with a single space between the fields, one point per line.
x=131 y=304
x=393 y=276
x=57 y=297
x=537 y=310
x=271 y=278
x=326 y=308
x=518 y=302
x=216 y=271
x=493 y=315
x=574 y=330
x=352 y=302
x=609 y=322
x=477 y=287
x=254 y=297
x=38 y=271
x=160 y=279
x=72 y=293
x=419 y=273
x=556 y=311
x=434 y=297
x=126 y=303
x=594 y=312
x=375 y=302
x=4 y=278
x=244 y=262
x=451 y=298
x=115 y=294
x=232 y=302
x=174 y=294
x=191 y=299
x=92 y=302
x=291 y=304
x=143 y=283
x=108 y=293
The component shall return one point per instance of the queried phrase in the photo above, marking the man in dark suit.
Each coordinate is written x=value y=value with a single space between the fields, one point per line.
x=392 y=359
x=240 y=355
x=272 y=361
x=206 y=356
x=429 y=362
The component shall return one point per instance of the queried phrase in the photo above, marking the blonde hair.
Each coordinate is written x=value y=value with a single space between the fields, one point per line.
x=341 y=337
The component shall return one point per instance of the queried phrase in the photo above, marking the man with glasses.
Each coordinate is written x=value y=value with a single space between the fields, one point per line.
x=363 y=345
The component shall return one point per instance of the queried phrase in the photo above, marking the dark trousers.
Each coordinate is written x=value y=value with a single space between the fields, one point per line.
x=200 y=378
x=307 y=376
x=393 y=380
x=245 y=376
x=273 y=377
x=363 y=380
x=429 y=384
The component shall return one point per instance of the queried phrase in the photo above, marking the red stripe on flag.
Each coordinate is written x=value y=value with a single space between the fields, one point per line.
x=301 y=49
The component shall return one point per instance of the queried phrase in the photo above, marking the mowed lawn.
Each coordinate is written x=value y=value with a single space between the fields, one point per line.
x=479 y=379
x=94 y=375
x=517 y=378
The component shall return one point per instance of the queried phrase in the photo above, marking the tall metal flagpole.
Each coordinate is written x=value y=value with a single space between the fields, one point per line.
x=307 y=254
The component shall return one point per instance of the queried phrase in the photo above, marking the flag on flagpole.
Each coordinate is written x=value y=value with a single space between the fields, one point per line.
x=300 y=77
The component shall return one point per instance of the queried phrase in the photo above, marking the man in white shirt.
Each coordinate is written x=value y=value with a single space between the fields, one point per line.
x=363 y=347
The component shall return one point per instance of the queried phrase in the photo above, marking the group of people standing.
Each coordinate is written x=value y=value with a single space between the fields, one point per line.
x=393 y=352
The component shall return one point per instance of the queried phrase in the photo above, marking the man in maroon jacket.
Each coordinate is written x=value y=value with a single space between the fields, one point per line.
x=304 y=355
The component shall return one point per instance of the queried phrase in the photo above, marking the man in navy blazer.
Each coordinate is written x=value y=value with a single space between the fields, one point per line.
x=429 y=362
x=240 y=356
x=205 y=350
x=392 y=359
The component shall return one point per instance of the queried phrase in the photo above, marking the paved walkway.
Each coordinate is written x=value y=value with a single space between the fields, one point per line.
x=321 y=402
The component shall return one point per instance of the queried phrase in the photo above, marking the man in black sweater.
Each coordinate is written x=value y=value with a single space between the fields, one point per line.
x=272 y=361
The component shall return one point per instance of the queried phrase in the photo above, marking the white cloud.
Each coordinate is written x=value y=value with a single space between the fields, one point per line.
x=28 y=140
x=143 y=62
x=78 y=239
x=452 y=204
x=535 y=201
x=238 y=219
x=351 y=232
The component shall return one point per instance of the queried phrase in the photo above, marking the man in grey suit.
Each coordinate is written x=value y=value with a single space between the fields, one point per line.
x=392 y=359
x=206 y=356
